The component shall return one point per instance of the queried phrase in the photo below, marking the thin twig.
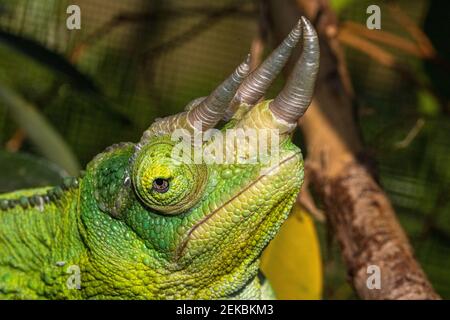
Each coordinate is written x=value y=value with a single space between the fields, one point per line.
x=422 y=40
x=361 y=215
x=307 y=202
x=411 y=134
x=387 y=59
x=134 y=17
x=213 y=18
x=372 y=50
x=385 y=37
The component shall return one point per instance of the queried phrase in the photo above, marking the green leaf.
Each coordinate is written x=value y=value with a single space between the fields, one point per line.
x=40 y=131
x=51 y=59
x=292 y=261
x=22 y=171
x=58 y=64
x=427 y=104
x=339 y=5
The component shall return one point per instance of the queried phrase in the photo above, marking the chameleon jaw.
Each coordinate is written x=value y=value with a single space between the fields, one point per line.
x=291 y=160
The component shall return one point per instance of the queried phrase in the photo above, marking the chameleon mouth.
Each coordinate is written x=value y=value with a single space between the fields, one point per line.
x=182 y=247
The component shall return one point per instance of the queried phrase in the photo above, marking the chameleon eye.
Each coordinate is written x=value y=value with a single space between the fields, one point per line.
x=160 y=185
x=163 y=183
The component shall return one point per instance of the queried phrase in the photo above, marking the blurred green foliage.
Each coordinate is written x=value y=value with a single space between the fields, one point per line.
x=39 y=130
x=23 y=171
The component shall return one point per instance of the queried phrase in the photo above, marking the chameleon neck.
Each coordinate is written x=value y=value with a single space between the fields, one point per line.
x=39 y=237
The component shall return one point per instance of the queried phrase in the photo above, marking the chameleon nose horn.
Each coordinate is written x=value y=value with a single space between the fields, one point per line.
x=292 y=102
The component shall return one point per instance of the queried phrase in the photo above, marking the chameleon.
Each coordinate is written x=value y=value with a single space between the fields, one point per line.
x=139 y=223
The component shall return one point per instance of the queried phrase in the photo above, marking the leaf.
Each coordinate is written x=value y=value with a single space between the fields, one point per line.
x=51 y=59
x=40 y=131
x=22 y=171
x=292 y=261
x=427 y=104
x=339 y=5
x=57 y=63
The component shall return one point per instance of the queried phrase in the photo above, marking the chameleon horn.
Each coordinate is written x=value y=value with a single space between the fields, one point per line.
x=257 y=83
x=212 y=109
x=208 y=110
x=292 y=102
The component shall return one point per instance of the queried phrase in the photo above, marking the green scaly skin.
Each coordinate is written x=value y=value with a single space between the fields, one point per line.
x=199 y=240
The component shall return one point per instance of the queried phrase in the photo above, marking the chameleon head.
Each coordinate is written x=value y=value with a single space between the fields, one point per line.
x=225 y=212
x=213 y=218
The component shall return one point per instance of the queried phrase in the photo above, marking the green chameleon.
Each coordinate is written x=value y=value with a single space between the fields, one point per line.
x=140 y=223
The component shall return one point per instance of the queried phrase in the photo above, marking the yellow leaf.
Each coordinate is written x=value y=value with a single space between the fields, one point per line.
x=292 y=261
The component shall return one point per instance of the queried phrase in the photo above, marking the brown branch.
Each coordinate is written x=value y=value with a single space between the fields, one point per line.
x=352 y=39
x=358 y=211
x=422 y=40
x=387 y=59
x=421 y=48
x=390 y=39
x=15 y=142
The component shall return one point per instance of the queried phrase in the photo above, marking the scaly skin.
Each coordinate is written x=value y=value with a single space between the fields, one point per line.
x=142 y=224
x=207 y=248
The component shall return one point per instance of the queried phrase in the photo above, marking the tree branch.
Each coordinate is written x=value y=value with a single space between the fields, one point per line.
x=357 y=209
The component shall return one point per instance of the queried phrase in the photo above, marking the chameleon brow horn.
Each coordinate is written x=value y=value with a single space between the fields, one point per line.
x=211 y=110
x=207 y=111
